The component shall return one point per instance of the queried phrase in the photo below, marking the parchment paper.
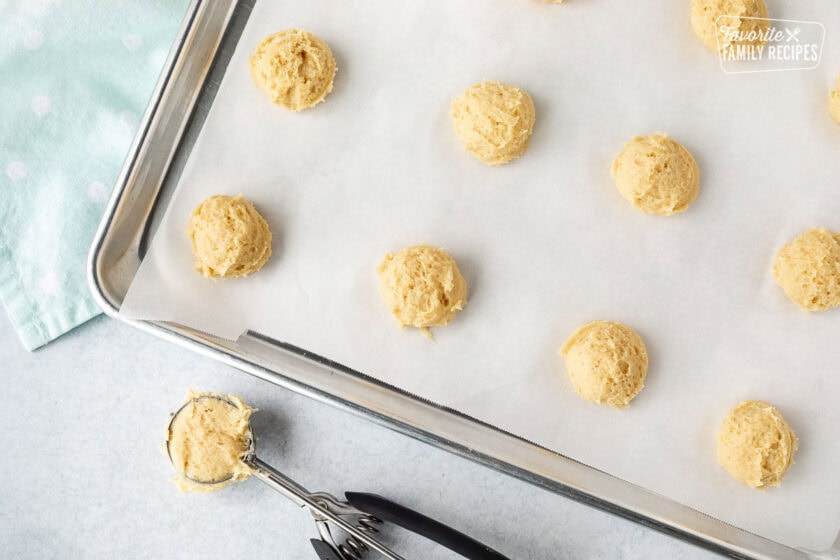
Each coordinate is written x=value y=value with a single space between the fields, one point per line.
x=545 y=243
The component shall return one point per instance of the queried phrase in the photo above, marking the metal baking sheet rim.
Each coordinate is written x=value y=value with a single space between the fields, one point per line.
x=208 y=26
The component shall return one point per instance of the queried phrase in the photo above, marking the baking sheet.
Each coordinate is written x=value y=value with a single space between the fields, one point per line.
x=545 y=243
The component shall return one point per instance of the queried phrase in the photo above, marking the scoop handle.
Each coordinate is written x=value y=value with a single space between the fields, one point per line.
x=323 y=550
x=300 y=496
x=416 y=522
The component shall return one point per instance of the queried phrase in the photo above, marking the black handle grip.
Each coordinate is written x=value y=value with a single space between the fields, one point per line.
x=392 y=512
x=323 y=550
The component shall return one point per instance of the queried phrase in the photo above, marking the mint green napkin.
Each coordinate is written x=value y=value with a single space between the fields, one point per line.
x=75 y=77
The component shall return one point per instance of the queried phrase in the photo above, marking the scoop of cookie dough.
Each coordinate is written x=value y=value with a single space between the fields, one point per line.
x=208 y=440
x=656 y=174
x=294 y=68
x=755 y=444
x=494 y=121
x=607 y=362
x=229 y=237
x=834 y=102
x=808 y=269
x=736 y=16
x=422 y=286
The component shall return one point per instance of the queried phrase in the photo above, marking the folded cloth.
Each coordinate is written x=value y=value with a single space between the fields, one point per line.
x=75 y=76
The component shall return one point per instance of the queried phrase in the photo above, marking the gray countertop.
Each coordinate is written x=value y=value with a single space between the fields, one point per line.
x=86 y=476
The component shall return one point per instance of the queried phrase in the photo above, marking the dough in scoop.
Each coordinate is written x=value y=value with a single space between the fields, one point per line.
x=834 y=102
x=707 y=16
x=294 y=68
x=229 y=237
x=656 y=175
x=422 y=286
x=607 y=362
x=208 y=440
x=494 y=121
x=755 y=444
x=808 y=270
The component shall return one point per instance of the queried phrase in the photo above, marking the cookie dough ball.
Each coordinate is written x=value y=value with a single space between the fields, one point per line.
x=734 y=14
x=229 y=237
x=494 y=121
x=294 y=68
x=422 y=286
x=208 y=439
x=755 y=444
x=834 y=103
x=656 y=174
x=607 y=362
x=808 y=270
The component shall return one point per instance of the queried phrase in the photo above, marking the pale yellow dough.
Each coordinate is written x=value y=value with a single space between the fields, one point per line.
x=208 y=440
x=808 y=269
x=755 y=444
x=607 y=362
x=494 y=121
x=834 y=102
x=422 y=286
x=294 y=68
x=707 y=16
x=656 y=174
x=229 y=237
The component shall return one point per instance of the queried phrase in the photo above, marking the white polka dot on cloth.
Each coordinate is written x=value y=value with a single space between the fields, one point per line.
x=129 y=120
x=50 y=284
x=133 y=42
x=41 y=105
x=158 y=57
x=37 y=7
x=97 y=192
x=16 y=170
x=33 y=39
